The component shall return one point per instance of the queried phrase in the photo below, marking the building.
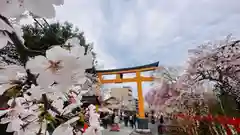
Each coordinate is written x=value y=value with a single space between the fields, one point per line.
x=106 y=93
x=122 y=94
x=135 y=104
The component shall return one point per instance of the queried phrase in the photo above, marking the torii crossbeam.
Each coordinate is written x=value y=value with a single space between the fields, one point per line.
x=138 y=79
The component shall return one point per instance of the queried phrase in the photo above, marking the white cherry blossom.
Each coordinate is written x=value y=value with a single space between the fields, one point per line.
x=4 y=39
x=65 y=128
x=10 y=74
x=5 y=26
x=56 y=73
x=74 y=105
x=58 y=66
x=23 y=119
x=14 y=125
x=73 y=45
x=33 y=128
x=36 y=92
x=58 y=104
x=14 y=114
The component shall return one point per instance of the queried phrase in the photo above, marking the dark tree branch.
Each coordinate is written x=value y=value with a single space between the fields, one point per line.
x=20 y=47
x=38 y=22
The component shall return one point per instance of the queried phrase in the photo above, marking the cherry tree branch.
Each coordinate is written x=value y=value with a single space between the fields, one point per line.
x=23 y=51
x=48 y=106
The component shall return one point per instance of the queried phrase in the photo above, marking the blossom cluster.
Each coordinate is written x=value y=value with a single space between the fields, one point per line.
x=36 y=92
x=210 y=67
x=164 y=95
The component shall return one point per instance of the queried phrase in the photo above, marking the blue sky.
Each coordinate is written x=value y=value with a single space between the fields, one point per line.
x=136 y=32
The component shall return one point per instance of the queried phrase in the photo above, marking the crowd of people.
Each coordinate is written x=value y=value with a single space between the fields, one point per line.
x=156 y=119
x=130 y=119
x=109 y=119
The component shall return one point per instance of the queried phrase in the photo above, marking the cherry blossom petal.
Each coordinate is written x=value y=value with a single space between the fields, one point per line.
x=5 y=26
x=4 y=39
x=58 y=104
x=18 y=101
x=14 y=125
x=72 y=120
x=69 y=108
x=6 y=120
x=38 y=64
x=56 y=53
x=63 y=129
x=77 y=51
x=75 y=42
x=45 y=79
x=44 y=127
x=71 y=64
x=79 y=77
x=36 y=92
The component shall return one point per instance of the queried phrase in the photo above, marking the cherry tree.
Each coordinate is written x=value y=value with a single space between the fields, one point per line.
x=218 y=64
x=164 y=92
x=170 y=93
x=34 y=94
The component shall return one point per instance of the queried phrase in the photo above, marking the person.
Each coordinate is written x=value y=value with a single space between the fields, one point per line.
x=115 y=126
x=121 y=115
x=101 y=118
x=116 y=119
x=146 y=115
x=160 y=127
x=104 y=120
x=131 y=120
x=152 y=123
x=116 y=122
x=134 y=120
x=137 y=120
x=153 y=118
x=126 y=118
x=112 y=119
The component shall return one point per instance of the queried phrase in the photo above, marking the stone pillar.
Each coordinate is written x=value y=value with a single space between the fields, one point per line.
x=142 y=123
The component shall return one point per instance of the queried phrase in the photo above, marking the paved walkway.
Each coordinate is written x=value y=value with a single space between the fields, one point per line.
x=123 y=131
x=127 y=130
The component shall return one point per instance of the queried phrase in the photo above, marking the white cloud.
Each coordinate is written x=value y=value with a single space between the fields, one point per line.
x=129 y=30
x=136 y=32
x=155 y=23
x=146 y=30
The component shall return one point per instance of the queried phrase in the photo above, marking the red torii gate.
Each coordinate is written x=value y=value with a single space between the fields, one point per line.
x=138 y=79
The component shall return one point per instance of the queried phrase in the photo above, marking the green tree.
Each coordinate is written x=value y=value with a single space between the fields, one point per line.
x=40 y=37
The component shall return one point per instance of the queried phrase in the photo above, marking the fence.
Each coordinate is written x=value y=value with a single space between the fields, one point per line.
x=231 y=125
